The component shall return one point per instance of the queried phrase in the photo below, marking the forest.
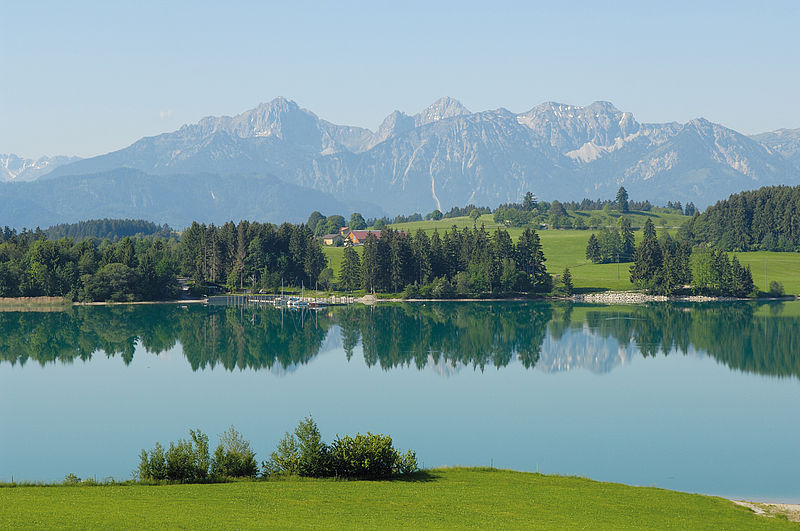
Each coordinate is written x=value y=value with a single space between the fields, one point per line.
x=460 y=263
x=132 y=260
x=767 y=219
x=87 y=270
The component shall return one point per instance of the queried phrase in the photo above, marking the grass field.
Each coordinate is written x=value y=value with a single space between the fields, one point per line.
x=783 y=267
x=637 y=218
x=448 y=498
x=567 y=248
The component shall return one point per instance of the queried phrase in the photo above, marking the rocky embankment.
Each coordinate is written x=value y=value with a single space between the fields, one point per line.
x=635 y=297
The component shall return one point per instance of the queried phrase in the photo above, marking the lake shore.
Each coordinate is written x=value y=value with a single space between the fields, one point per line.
x=604 y=297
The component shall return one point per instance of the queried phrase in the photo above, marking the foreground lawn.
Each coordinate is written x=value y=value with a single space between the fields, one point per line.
x=448 y=498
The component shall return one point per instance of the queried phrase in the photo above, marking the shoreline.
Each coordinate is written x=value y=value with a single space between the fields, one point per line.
x=607 y=297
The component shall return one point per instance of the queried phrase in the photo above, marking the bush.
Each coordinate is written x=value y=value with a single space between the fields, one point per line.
x=233 y=457
x=406 y=463
x=411 y=291
x=363 y=456
x=185 y=461
x=313 y=461
x=71 y=479
x=302 y=453
x=776 y=289
x=153 y=466
x=285 y=459
x=367 y=456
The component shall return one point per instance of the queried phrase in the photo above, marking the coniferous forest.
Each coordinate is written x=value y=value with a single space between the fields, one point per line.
x=467 y=262
x=767 y=219
x=130 y=260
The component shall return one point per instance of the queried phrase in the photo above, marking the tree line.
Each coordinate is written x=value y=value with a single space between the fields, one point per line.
x=256 y=255
x=110 y=229
x=665 y=266
x=466 y=262
x=767 y=219
x=87 y=270
x=613 y=245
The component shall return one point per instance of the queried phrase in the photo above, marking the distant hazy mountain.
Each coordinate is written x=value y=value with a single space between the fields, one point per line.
x=786 y=142
x=14 y=168
x=174 y=199
x=447 y=155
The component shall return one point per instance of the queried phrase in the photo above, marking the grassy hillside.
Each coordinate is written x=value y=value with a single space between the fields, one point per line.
x=448 y=498
x=660 y=219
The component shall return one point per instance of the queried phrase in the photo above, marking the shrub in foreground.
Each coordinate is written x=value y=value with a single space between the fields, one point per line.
x=233 y=458
x=186 y=461
x=300 y=453
x=369 y=456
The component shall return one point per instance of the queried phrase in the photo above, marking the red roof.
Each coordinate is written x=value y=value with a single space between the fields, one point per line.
x=361 y=235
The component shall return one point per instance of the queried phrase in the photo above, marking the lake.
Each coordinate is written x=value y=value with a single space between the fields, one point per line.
x=693 y=397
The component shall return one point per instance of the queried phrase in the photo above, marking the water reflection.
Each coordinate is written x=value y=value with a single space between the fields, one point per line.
x=751 y=337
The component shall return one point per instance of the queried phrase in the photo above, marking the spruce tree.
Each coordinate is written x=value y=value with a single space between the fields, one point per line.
x=627 y=240
x=350 y=271
x=593 y=250
x=566 y=280
x=622 y=200
x=647 y=260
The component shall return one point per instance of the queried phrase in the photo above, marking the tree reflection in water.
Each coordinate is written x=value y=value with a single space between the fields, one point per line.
x=746 y=336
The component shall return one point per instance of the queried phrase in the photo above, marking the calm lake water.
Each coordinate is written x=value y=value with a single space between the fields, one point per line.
x=698 y=398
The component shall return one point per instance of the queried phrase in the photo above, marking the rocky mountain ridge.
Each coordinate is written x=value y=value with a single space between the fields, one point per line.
x=18 y=169
x=448 y=156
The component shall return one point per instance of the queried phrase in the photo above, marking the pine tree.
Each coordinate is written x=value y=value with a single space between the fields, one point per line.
x=593 y=250
x=647 y=260
x=627 y=240
x=566 y=280
x=350 y=271
x=370 y=264
x=529 y=202
x=622 y=200
x=742 y=279
x=530 y=259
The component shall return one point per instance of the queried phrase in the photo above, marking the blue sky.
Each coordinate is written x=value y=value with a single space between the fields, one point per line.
x=84 y=78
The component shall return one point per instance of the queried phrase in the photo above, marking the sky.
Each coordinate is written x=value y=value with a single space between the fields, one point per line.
x=85 y=78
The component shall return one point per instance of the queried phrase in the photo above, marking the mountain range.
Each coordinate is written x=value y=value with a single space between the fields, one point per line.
x=18 y=169
x=441 y=157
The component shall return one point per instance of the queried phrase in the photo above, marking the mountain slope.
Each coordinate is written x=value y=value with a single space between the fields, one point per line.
x=18 y=169
x=173 y=199
x=786 y=142
x=447 y=155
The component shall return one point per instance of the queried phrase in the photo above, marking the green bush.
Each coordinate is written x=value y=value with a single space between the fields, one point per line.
x=153 y=465
x=313 y=460
x=369 y=456
x=186 y=461
x=285 y=459
x=302 y=453
x=233 y=457
x=776 y=289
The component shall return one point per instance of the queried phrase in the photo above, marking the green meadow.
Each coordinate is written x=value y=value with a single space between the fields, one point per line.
x=444 y=498
x=567 y=248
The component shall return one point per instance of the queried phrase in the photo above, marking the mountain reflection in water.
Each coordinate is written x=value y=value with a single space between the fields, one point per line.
x=760 y=338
